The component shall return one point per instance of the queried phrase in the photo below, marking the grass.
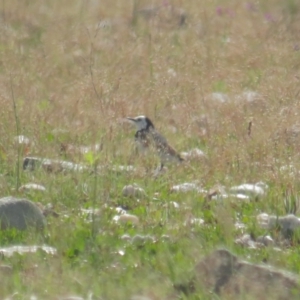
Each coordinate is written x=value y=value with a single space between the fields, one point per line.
x=66 y=79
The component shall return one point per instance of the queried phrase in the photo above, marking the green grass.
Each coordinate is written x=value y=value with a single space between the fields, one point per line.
x=74 y=83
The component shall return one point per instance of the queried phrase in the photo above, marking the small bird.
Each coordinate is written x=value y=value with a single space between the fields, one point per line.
x=146 y=133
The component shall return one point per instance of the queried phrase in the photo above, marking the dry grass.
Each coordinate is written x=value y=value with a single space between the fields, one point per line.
x=77 y=68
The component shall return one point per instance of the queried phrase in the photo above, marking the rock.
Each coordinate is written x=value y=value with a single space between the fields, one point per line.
x=287 y=224
x=9 y=251
x=248 y=242
x=229 y=277
x=51 y=165
x=187 y=187
x=126 y=218
x=32 y=187
x=263 y=220
x=125 y=237
x=133 y=191
x=139 y=239
x=231 y=196
x=20 y=214
x=251 y=190
x=123 y=169
x=246 y=191
x=265 y=240
x=193 y=154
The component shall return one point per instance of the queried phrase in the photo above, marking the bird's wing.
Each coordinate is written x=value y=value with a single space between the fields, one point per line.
x=159 y=140
x=162 y=145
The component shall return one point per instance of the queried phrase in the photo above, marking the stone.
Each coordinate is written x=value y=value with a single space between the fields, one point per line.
x=248 y=189
x=126 y=218
x=32 y=187
x=288 y=224
x=20 y=214
x=21 y=249
x=224 y=274
x=133 y=191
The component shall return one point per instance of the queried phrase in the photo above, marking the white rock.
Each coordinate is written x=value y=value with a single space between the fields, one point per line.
x=246 y=241
x=252 y=190
x=125 y=169
x=193 y=154
x=9 y=251
x=226 y=196
x=265 y=240
x=263 y=220
x=133 y=191
x=288 y=223
x=125 y=237
x=139 y=239
x=126 y=218
x=239 y=196
x=51 y=165
x=32 y=186
x=120 y=210
x=219 y=97
x=187 y=187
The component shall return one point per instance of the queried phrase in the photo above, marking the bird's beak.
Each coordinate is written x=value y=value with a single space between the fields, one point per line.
x=131 y=119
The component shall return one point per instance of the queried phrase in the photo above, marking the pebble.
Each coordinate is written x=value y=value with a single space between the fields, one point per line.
x=126 y=218
x=133 y=191
x=187 y=187
x=252 y=190
x=32 y=187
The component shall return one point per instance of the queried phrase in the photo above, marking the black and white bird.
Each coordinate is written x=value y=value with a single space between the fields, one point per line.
x=147 y=134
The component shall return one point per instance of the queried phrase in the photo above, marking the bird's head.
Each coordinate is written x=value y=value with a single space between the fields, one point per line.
x=142 y=122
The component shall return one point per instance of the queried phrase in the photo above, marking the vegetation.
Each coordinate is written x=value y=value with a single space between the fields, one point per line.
x=71 y=71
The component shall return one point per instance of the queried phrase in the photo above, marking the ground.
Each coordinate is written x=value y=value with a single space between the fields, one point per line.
x=221 y=76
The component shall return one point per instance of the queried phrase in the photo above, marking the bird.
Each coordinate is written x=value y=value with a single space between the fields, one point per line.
x=147 y=134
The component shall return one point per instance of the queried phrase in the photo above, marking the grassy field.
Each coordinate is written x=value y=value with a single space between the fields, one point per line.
x=71 y=71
